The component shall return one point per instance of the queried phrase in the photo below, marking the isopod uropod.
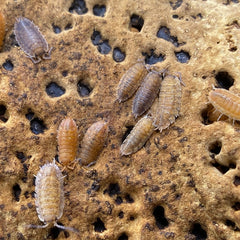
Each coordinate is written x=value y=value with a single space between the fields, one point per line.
x=31 y=40
x=93 y=142
x=130 y=81
x=147 y=93
x=225 y=102
x=67 y=142
x=49 y=195
x=169 y=104
x=138 y=136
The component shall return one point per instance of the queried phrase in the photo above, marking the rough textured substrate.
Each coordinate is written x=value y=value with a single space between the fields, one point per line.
x=183 y=184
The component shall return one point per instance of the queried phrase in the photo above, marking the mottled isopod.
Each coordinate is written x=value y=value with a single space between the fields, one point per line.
x=138 y=136
x=226 y=103
x=130 y=81
x=67 y=142
x=49 y=195
x=169 y=104
x=147 y=93
x=2 y=29
x=31 y=40
x=93 y=142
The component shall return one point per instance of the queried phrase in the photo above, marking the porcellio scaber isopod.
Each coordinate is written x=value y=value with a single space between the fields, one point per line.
x=130 y=81
x=169 y=104
x=67 y=138
x=141 y=132
x=147 y=93
x=93 y=142
x=31 y=40
x=225 y=102
x=49 y=196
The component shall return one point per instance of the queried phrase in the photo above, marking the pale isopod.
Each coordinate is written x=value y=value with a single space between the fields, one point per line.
x=226 y=103
x=49 y=196
x=67 y=142
x=169 y=104
x=93 y=142
x=141 y=132
x=31 y=40
x=2 y=29
x=130 y=81
x=147 y=93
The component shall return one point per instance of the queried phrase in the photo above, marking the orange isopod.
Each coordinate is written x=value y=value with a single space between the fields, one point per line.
x=169 y=104
x=130 y=81
x=225 y=102
x=141 y=132
x=67 y=138
x=49 y=196
x=147 y=93
x=2 y=29
x=93 y=142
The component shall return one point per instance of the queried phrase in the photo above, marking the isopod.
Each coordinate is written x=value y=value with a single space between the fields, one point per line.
x=49 y=196
x=130 y=81
x=226 y=103
x=2 y=29
x=93 y=142
x=67 y=138
x=31 y=40
x=141 y=132
x=169 y=104
x=147 y=93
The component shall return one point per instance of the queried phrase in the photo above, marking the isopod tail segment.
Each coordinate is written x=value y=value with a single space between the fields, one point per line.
x=55 y=225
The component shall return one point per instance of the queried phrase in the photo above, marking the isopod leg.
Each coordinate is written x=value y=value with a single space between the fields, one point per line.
x=35 y=59
x=36 y=226
x=48 y=54
x=66 y=228
x=219 y=116
x=73 y=165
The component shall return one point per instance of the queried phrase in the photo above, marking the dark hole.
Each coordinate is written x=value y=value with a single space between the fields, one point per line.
x=198 y=232
x=118 y=200
x=136 y=22
x=205 y=116
x=223 y=169
x=99 y=225
x=99 y=10
x=123 y=237
x=83 y=89
x=129 y=129
x=131 y=218
x=233 y=49
x=232 y=225
x=3 y=113
x=236 y=206
x=129 y=199
x=21 y=156
x=175 y=4
x=37 y=126
x=96 y=37
x=175 y=16
x=160 y=218
x=29 y=115
x=153 y=58
x=56 y=29
x=236 y=181
x=118 y=55
x=104 y=47
x=68 y=26
x=164 y=33
x=215 y=147
x=16 y=192
x=8 y=65
x=54 y=90
x=79 y=6
x=121 y=214
x=64 y=73
x=113 y=189
x=182 y=56
x=224 y=80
